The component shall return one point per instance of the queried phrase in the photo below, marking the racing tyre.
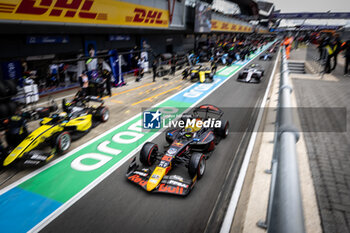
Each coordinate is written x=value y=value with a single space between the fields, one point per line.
x=223 y=130
x=196 y=165
x=148 y=153
x=63 y=141
x=103 y=114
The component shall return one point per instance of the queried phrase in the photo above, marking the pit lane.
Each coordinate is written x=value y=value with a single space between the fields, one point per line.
x=115 y=205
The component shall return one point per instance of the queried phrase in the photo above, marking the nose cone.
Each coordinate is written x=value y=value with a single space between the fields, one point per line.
x=9 y=159
x=155 y=178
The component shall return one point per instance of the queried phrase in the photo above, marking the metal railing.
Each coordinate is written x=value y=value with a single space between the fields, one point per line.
x=285 y=210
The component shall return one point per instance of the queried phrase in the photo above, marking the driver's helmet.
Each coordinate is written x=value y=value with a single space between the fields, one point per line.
x=67 y=104
x=188 y=133
x=193 y=128
x=63 y=115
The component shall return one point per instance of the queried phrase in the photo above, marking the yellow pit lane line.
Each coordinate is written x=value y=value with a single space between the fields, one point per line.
x=155 y=96
x=126 y=91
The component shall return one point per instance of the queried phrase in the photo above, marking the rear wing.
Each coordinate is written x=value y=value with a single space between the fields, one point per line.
x=208 y=108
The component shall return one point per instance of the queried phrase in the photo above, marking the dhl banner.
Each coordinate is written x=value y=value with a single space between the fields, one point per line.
x=108 y=12
x=221 y=26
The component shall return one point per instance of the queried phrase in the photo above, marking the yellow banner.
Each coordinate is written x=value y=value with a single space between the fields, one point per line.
x=263 y=31
x=221 y=26
x=107 y=12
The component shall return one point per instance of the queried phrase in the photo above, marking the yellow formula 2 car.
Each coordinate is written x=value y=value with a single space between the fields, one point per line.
x=57 y=132
x=202 y=74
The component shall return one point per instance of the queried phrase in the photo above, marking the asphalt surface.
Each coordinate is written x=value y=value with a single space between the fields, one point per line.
x=116 y=205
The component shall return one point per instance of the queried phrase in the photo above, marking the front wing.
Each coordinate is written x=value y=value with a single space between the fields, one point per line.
x=249 y=77
x=170 y=184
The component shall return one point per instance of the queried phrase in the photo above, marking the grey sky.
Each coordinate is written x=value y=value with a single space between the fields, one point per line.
x=311 y=5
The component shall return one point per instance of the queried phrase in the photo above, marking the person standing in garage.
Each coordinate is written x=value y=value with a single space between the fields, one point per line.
x=173 y=65
x=107 y=78
x=140 y=69
x=84 y=84
x=154 y=69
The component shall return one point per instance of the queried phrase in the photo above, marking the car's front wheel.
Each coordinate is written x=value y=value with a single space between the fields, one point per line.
x=148 y=153
x=196 y=165
x=63 y=141
x=103 y=114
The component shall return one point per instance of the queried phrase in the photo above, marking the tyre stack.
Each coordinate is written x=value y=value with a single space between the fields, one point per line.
x=8 y=89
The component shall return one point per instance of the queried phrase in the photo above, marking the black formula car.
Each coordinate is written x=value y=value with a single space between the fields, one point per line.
x=188 y=145
x=251 y=74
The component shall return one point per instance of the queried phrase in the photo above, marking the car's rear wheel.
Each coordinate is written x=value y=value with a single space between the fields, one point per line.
x=103 y=114
x=223 y=131
x=196 y=165
x=63 y=141
x=148 y=153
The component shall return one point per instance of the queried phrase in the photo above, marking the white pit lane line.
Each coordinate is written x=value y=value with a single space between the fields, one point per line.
x=89 y=187
x=230 y=213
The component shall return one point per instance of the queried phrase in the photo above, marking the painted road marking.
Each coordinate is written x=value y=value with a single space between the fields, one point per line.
x=155 y=96
x=117 y=101
x=126 y=91
x=67 y=179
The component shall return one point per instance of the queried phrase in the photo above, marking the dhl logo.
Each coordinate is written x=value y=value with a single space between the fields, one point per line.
x=224 y=26
x=69 y=8
x=146 y=16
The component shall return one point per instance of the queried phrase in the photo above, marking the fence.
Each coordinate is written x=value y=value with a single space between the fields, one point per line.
x=285 y=211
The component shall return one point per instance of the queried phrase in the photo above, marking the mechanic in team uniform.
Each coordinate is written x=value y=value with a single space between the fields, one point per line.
x=329 y=47
x=17 y=129
x=84 y=84
x=337 y=49
x=140 y=69
x=173 y=65
x=154 y=69
x=214 y=65
x=106 y=75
